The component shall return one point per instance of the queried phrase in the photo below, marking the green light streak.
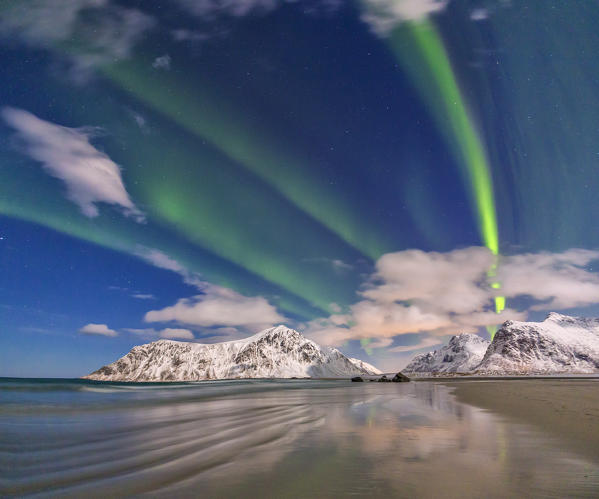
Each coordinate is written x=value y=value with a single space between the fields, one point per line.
x=499 y=304
x=364 y=342
x=196 y=204
x=418 y=46
x=126 y=239
x=203 y=210
x=441 y=91
x=205 y=114
x=220 y=208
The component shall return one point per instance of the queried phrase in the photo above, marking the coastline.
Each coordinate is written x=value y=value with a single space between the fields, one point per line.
x=76 y=438
x=566 y=408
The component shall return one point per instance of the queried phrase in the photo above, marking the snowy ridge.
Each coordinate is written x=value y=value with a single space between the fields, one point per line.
x=365 y=366
x=277 y=352
x=461 y=355
x=559 y=344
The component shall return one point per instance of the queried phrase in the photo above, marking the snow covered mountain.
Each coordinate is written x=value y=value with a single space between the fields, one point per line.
x=461 y=355
x=559 y=344
x=277 y=352
x=365 y=366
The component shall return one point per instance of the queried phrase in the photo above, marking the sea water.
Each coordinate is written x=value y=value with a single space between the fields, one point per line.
x=271 y=438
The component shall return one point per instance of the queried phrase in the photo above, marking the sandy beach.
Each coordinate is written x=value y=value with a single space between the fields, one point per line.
x=298 y=438
x=564 y=408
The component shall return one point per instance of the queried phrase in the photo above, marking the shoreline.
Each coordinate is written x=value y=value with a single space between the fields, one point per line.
x=565 y=408
x=515 y=377
x=441 y=379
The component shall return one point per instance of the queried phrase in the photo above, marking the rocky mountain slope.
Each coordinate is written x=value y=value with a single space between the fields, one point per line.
x=365 y=366
x=277 y=352
x=461 y=355
x=559 y=344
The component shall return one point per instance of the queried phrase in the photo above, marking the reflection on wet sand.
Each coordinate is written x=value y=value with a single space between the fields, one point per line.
x=278 y=439
x=564 y=407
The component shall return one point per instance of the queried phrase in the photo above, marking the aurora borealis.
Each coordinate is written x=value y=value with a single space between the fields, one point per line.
x=292 y=156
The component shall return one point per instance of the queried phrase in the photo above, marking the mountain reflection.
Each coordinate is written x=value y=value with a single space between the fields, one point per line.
x=281 y=439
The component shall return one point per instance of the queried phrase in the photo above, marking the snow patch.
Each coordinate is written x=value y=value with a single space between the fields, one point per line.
x=277 y=352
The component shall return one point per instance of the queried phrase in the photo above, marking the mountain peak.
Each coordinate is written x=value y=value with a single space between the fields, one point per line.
x=461 y=354
x=463 y=338
x=560 y=343
x=278 y=330
x=557 y=317
x=277 y=352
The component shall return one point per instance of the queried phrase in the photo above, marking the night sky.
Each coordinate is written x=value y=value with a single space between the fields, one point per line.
x=378 y=174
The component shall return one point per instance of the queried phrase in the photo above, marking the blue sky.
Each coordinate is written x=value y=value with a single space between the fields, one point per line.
x=200 y=170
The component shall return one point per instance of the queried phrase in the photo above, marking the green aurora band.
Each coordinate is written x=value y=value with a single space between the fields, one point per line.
x=191 y=104
x=195 y=223
x=122 y=235
x=202 y=112
x=205 y=218
x=421 y=52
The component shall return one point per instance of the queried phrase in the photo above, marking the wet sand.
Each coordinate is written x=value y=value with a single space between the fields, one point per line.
x=564 y=408
x=287 y=439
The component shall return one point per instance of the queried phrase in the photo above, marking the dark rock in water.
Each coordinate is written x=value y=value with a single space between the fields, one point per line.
x=357 y=378
x=384 y=379
x=400 y=378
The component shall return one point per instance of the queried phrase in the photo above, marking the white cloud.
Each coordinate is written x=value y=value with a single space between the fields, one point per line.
x=380 y=343
x=143 y=296
x=44 y=21
x=227 y=333
x=100 y=31
x=89 y=175
x=173 y=334
x=162 y=62
x=139 y=120
x=423 y=343
x=99 y=329
x=410 y=291
x=446 y=293
x=452 y=281
x=341 y=265
x=218 y=334
x=335 y=308
x=219 y=307
x=479 y=14
x=559 y=280
x=384 y=15
x=209 y=9
x=162 y=260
